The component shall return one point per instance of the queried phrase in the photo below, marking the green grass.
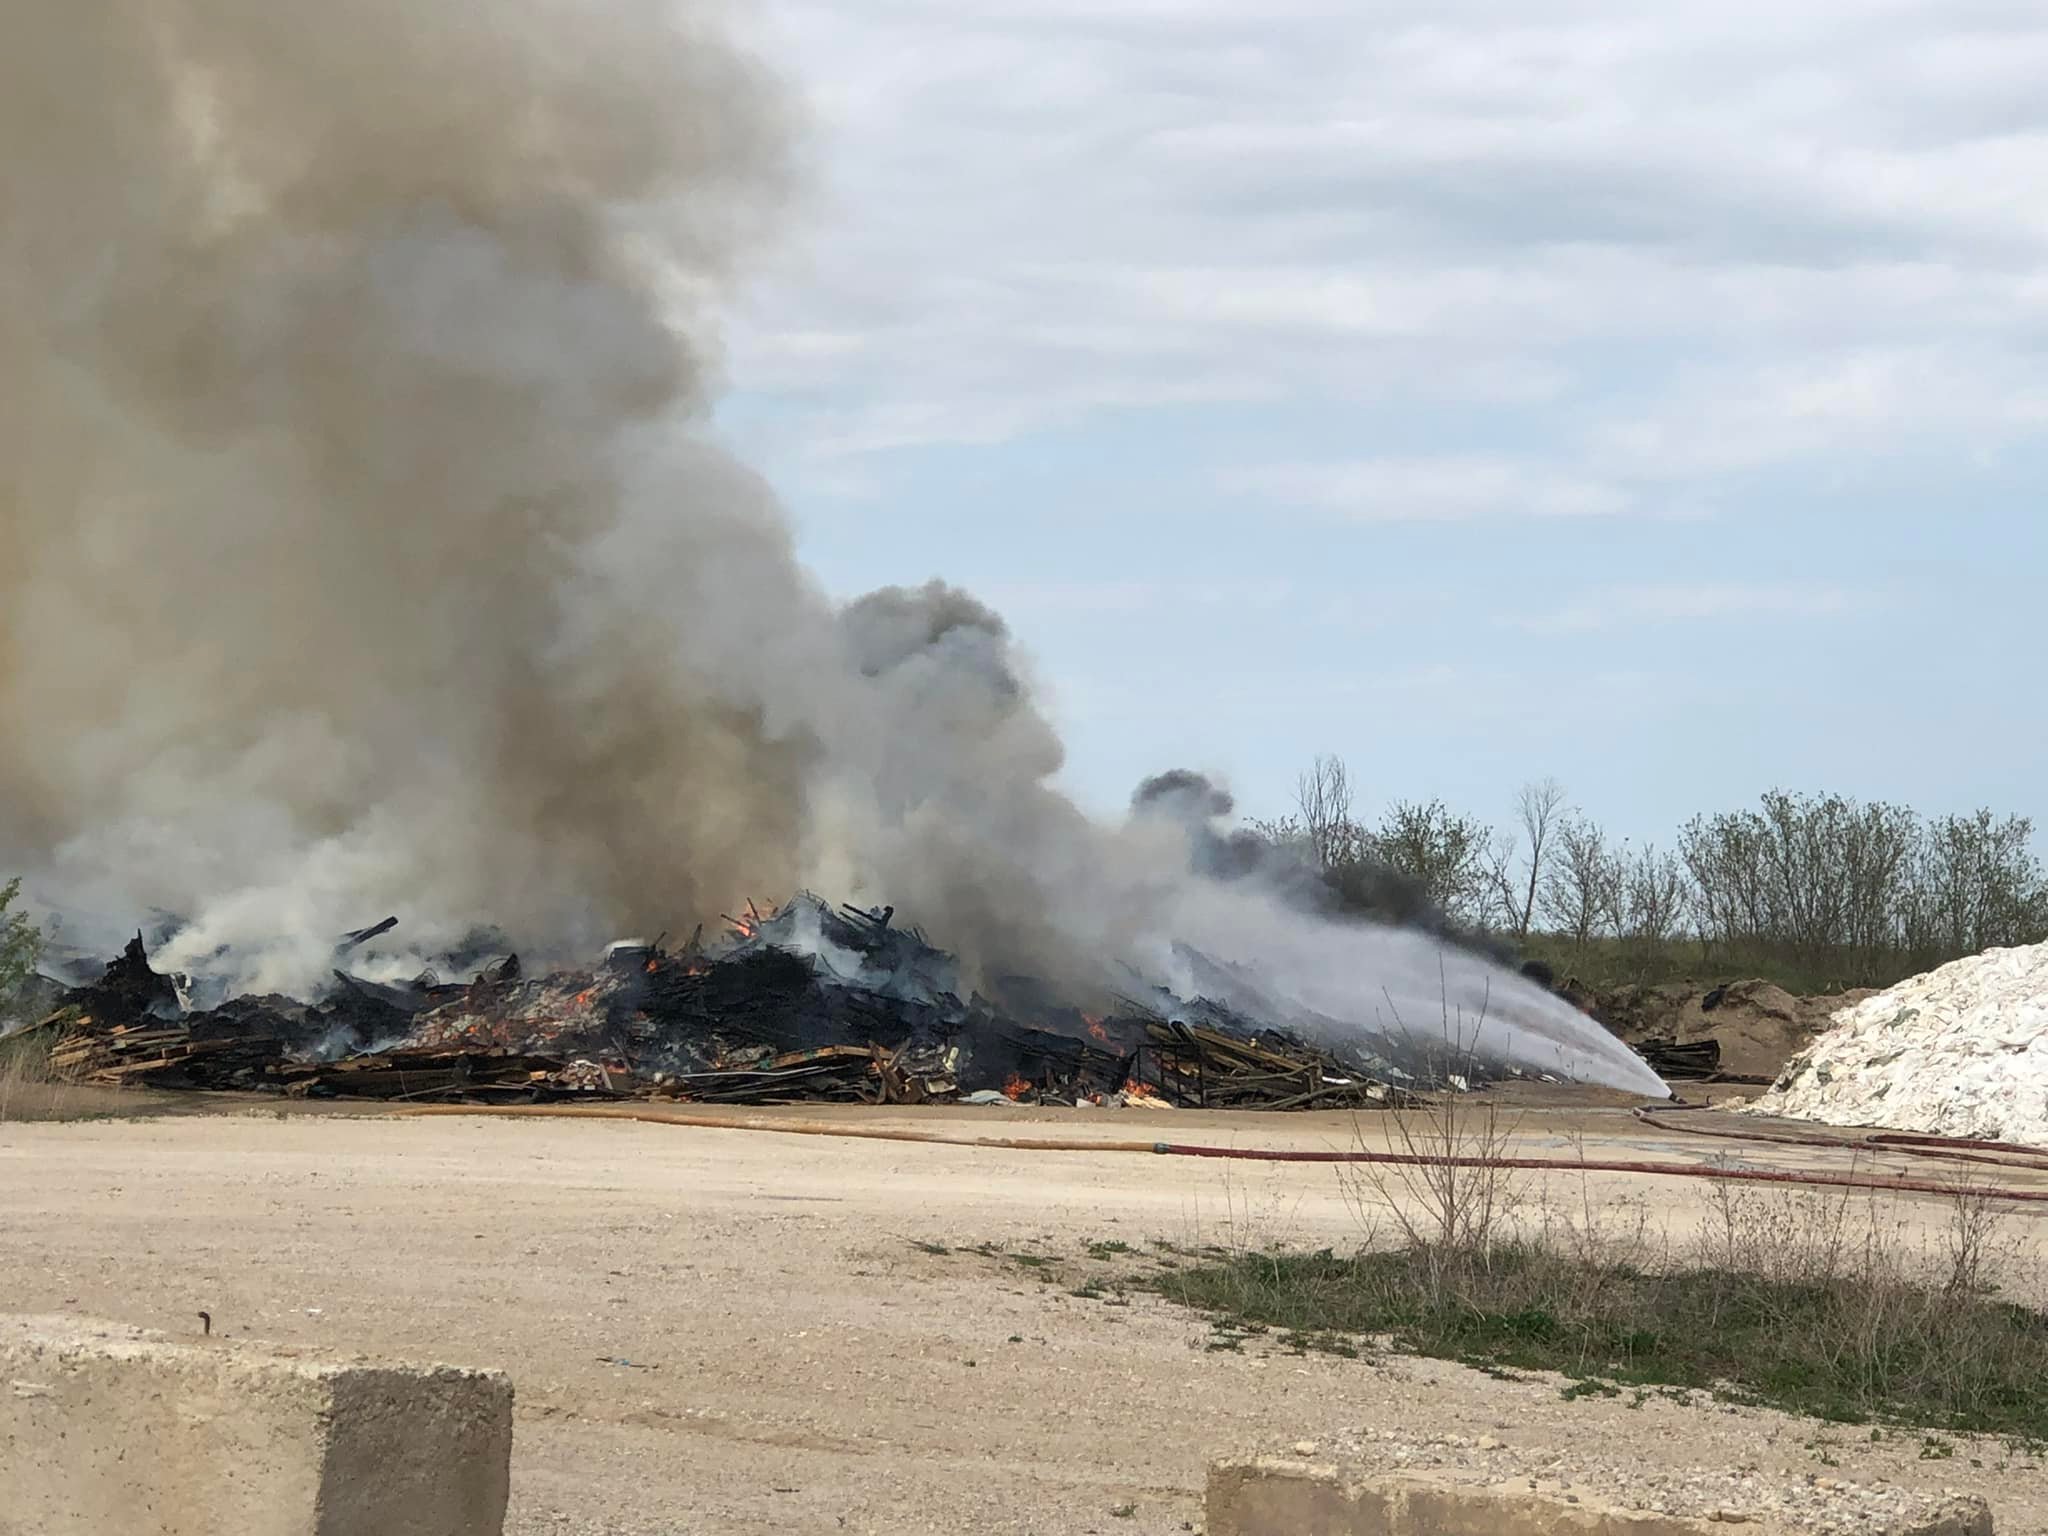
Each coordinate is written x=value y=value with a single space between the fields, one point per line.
x=1846 y=1347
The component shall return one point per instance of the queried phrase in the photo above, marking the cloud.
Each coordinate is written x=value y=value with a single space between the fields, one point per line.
x=1637 y=607
x=1597 y=222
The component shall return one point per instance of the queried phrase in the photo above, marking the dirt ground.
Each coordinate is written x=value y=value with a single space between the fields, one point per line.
x=1759 y=1027
x=728 y=1331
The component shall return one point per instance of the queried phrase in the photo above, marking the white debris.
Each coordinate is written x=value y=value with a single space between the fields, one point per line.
x=1962 y=1051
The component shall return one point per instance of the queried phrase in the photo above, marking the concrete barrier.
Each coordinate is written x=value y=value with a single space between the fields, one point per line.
x=107 y=1430
x=1279 y=1496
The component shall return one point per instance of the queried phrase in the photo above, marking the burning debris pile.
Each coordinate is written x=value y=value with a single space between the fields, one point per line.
x=808 y=1003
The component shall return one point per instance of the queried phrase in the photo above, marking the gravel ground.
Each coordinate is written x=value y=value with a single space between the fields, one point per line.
x=723 y=1332
x=1742 y=1494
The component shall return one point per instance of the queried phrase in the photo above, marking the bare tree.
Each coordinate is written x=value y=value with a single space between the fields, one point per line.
x=1656 y=894
x=1323 y=797
x=1538 y=808
x=1977 y=885
x=1581 y=893
x=1871 y=891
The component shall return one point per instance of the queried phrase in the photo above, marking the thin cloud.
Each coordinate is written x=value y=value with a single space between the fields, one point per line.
x=1434 y=490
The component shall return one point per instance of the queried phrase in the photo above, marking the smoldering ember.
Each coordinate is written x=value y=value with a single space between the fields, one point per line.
x=806 y=1002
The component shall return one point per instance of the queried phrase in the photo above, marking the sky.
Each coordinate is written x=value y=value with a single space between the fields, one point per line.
x=1653 y=397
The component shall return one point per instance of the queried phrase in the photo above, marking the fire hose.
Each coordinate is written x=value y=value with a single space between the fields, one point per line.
x=1716 y=1171
x=1962 y=1149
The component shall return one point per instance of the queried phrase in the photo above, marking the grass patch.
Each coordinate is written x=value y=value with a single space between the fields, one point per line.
x=1869 y=1343
x=29 y=1089
x=1834 y=1305
x=32 y=1090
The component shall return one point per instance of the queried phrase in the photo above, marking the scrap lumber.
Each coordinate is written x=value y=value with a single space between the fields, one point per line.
x=1195 y=1066
x=432 y=1074
x=361 y=936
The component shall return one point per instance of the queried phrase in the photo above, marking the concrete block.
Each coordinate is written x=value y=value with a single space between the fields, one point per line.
x=1282 y=1496
x=107 y=1430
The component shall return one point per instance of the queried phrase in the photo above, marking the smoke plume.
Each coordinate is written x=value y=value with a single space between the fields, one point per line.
x=362 y=546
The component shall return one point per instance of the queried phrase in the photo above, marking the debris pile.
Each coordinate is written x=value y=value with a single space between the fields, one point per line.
x=1689 y=1061
x=807 y=1003
x=1961 y=1051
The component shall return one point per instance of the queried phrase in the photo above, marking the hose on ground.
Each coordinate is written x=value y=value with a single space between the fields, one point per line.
x=1715 y=1171
x=1953 y=1149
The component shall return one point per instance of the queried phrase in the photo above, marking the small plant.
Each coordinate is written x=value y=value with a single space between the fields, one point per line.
x=1590 y=1386
x=1451 y=1197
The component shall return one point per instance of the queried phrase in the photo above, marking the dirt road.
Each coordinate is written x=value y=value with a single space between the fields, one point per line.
x=719 y=1331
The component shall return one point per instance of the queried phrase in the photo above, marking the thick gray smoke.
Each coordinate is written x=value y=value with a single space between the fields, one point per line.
x=361 y=545
x=352 y=554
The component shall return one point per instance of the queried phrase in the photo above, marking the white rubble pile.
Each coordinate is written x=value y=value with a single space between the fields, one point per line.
x=1962 y=1051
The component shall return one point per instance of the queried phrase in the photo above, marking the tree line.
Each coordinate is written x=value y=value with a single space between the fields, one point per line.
x=1818 y=890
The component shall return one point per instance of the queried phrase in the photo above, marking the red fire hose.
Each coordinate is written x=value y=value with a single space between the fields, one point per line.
x=1889 y=1183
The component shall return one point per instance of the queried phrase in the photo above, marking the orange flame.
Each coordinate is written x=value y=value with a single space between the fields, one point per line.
x=1016 y=1087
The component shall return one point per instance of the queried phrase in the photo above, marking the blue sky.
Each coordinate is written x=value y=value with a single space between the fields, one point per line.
x=1653 y=399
